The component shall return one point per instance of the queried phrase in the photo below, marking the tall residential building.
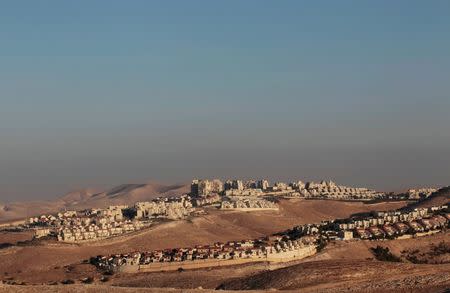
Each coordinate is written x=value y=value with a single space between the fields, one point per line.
x=263 y=184
x=205 y=187
x=194 y=187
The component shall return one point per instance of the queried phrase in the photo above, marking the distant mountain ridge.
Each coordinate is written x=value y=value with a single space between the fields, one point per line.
x=125 y=194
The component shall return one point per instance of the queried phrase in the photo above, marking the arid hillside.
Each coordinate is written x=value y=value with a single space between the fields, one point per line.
x=348 y=276
x=440 y=197
x=126 y=194
x=103 y=288
x=46 y=262
x=350 y=267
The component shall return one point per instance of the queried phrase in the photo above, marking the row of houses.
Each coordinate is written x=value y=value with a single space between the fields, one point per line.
x=323 y=189
x=263 y=248
x=94 y=232
x=170 y=208
x=92 y=224
x=248 y=204
x=112 y=214
x=374 y=226
x=386 y=224
x=397 y=229
x=388 y=217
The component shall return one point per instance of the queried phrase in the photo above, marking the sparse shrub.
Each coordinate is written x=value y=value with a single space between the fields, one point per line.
x=87 y=280
x=93 y=261
x=108 y=273
x=441 y=248
x=129 y=213
x=104 y=279
x=415 y=260
x=383 y=254
x=321 y=243
x=5 y=245
x=69 y=268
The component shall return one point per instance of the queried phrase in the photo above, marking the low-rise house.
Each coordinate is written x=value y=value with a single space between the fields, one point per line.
x=416 y=227
x=363 y=233
x=346 y=234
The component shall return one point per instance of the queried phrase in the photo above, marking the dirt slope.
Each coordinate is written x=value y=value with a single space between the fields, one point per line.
x=347 y=276
x=126 y=194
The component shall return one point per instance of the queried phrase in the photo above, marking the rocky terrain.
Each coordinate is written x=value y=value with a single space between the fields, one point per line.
x=346 y=276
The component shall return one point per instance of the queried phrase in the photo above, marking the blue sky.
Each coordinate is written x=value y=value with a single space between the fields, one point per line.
x=98 y=93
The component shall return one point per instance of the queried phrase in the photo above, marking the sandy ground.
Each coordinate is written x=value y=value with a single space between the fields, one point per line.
x=348 y=276
x=101 y=289
x=14 y=237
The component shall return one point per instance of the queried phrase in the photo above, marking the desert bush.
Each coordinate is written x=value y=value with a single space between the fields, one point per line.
x=104 y=279
x=5 y=245
x=383 y=254
x=108 y=273
x=441 y=248
x=87 y=280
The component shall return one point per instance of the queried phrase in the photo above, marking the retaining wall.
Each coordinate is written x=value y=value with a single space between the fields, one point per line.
x=198 y=264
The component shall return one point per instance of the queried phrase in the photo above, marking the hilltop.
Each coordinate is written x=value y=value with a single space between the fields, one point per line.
x=440 y=197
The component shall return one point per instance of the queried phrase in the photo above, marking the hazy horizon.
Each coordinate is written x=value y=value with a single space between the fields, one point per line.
x=96 y=95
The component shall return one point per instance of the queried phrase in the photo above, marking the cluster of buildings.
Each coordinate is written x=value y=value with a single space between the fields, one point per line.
x=87 y=225
x=206 y=200
x=395 y=224
x=380 y=225
x=329 y=189
x=168 y=208
x=263 y=249
x=95 y=224
x=323 y=189
x=298 y=242
x=96 y=231
x=420 y=193
x=295 y=243
x=246 y=204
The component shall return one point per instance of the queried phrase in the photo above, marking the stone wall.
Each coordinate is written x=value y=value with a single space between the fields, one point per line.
x=198 y=264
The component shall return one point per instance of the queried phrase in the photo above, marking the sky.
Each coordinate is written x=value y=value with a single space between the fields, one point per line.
x=99 y=93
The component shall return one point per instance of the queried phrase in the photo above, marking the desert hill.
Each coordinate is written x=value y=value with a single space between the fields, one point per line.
x=38 y=262
x=20 y=210
x=77 y=196
x=440 y=197
x=126 y=194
